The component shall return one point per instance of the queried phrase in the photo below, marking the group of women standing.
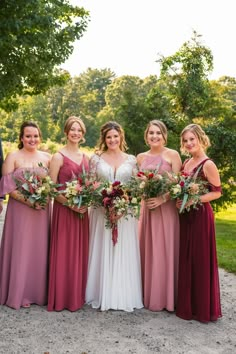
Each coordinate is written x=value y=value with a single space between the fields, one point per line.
x=161 y=261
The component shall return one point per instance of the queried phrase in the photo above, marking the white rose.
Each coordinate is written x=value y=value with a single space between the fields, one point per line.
x=142 y=184
x=176 y=189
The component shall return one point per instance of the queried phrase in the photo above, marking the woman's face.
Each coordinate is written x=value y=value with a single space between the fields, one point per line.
x=31 y=138
x=112 y=140
x=191 y=143
x=75 y=133
x=154 y=137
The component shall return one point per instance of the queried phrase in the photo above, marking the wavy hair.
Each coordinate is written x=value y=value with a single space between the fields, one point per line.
x=199 y=133
x=101 y=146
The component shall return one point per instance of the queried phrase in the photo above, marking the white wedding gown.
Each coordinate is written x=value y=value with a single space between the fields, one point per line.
x=114 y=274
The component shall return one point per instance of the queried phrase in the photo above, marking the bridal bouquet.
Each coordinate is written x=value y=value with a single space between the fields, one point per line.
x=82 y=190
x=36 y=188
x=188 y=187
x=117 y=203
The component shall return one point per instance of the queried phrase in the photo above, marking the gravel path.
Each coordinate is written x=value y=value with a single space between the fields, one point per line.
x=88 y=331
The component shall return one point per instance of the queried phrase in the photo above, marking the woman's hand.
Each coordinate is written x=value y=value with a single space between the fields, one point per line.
x=178 y=203
x=38 y=206
x=187 y=205
x=153 y=203
x=82 y=210
x=115 y=217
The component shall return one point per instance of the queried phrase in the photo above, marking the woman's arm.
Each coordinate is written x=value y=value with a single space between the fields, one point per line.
x=212 y=175
x=9 y=167
x=55 y=165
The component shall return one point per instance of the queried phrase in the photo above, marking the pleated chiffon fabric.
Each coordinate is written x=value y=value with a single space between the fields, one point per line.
x=68 y=259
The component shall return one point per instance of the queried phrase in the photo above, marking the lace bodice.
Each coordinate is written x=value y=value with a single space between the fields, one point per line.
x=102 y=170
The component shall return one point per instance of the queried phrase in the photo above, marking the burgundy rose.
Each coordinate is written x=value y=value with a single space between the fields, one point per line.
x=150 y=175
x=140 y=174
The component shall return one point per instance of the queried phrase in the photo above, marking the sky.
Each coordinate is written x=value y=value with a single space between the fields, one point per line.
x=127 y=36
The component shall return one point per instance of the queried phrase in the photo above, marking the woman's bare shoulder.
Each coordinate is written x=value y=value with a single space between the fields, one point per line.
x=141 y=156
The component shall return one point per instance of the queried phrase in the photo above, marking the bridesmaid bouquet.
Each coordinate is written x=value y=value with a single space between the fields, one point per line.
x=188 y=187
x=149 y=184
x=117 y=203
x=82 y=190
x=36 y=188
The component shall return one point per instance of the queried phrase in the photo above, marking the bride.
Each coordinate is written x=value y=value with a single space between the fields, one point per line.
x=114 y=276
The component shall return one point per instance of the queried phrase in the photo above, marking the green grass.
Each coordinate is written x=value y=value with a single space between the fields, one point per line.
x=226 y=239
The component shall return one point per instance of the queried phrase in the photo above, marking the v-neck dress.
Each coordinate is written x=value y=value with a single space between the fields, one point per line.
x=198 y=287
x=68 y=248
x=114 y=274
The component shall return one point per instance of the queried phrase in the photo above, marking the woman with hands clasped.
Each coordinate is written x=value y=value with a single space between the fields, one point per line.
x=198 y=290
x=69 y=236
x=24 y=247
x=159 y=225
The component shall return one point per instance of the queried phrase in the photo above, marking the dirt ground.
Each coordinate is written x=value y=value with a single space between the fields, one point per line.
x=89 y=331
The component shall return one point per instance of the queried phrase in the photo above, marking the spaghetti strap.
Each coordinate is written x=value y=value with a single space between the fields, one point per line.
x=68 y=158
x=185 y=163
x=201 y=164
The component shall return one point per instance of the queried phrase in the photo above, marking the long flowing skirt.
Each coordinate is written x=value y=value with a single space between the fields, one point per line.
x=114 y=274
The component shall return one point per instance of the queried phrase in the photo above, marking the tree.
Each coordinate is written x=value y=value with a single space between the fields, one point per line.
x=126 y=103
x=83 y=95
x=191 y=97
x=36 y=37
x=186 y=73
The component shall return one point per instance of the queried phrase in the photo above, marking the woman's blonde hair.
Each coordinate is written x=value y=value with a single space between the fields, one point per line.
x=70 y=121
x=101 y=147
x=199 y=133
x=158 y=124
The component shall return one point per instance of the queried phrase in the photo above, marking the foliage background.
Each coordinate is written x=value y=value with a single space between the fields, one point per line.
x=37 y=36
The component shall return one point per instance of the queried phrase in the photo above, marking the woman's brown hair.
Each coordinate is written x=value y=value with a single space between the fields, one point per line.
x=158 y=124
x=22 y=129
x=101 y=147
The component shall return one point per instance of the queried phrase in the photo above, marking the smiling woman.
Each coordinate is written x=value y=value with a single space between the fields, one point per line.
x=198 y=288
x=114 y=279
x=68 y=255
x=159 y=225
x=26 y=229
